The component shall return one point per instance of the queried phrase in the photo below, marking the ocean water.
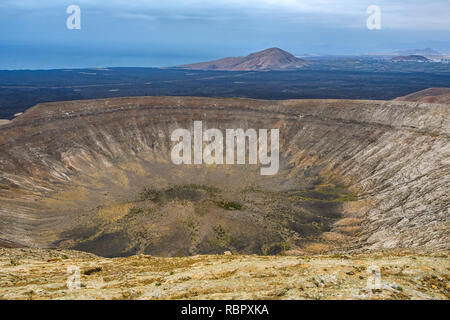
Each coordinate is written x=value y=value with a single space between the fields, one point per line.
x=35 y=57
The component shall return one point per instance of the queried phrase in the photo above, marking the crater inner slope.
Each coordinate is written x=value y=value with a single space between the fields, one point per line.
x=354 y=176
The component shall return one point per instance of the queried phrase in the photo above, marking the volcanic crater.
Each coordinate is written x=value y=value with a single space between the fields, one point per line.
x=354 y=176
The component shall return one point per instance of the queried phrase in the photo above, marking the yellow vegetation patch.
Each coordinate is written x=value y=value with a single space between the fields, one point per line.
x=67 y=198
x=114 y=213
x=356 y=207
x=315 y=248
x=348 y=222
x=333 y=236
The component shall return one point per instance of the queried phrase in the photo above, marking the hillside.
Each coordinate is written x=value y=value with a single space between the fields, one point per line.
x=269 y=59
x=431 y=95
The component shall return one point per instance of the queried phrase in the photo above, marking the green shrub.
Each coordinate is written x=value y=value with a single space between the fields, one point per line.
x=230 y=205
x=180 y=192
x=151 y=194
x=135 y=210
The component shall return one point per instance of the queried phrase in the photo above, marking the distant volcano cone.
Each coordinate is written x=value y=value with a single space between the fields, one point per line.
x=269 y=59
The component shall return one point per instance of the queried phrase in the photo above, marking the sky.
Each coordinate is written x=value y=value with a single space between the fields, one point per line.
x=147 y=33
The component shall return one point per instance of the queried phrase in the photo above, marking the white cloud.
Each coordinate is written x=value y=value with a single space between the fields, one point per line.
x=140 y=16
x=396 y=14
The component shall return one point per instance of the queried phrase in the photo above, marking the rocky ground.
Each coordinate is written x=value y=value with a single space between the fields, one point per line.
x=43 y=274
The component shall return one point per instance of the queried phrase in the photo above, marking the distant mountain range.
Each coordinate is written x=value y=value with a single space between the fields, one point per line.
x=427 y=52
x=410 y=58
x=266 y=60
x=420 y=52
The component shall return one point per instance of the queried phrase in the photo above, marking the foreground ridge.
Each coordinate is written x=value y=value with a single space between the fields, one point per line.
x=42 y=274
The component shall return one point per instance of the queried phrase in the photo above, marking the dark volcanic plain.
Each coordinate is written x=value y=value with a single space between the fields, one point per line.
x=324 y=78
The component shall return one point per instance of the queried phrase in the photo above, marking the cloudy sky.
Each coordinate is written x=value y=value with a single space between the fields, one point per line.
x=33 y=33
